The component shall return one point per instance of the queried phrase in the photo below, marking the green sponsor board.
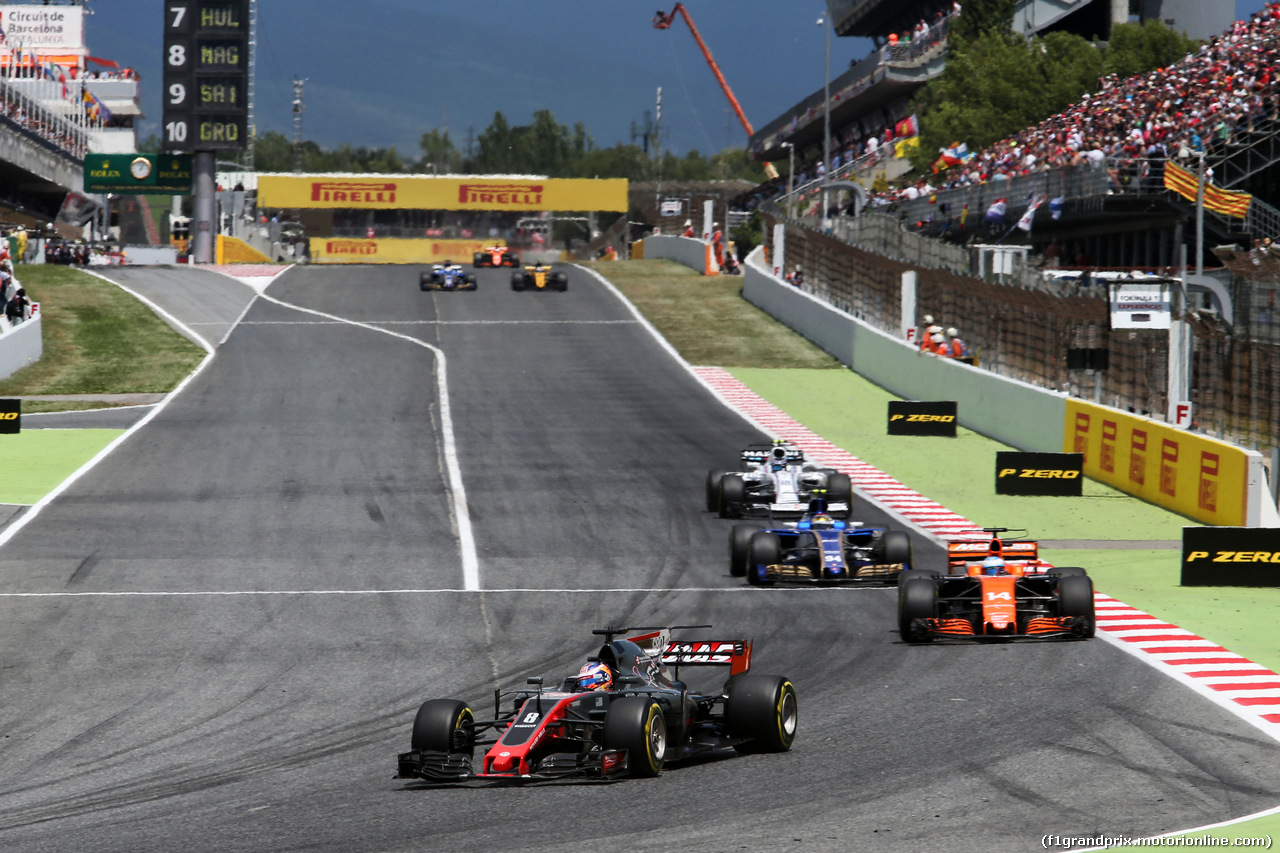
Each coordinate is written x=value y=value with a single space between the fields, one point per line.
x=138 y=173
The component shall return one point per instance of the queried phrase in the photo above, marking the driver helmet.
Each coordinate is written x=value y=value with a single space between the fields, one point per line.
x=822 y=520
x=595 y=676
x=993 y=565
x=778 y=458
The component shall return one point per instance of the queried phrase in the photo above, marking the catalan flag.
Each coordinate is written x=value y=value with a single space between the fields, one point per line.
x=1226 y=202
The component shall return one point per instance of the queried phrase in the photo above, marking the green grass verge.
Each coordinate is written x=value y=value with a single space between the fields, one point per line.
x=37 y=460
x=706 y=318
x=98 y=340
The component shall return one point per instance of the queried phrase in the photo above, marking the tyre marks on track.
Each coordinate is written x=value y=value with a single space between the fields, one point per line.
x=1247 y=689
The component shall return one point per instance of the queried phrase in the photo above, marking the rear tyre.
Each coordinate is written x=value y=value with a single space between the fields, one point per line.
x=444 y=725
x=840 y=489
x=561 y=282
x=917 y=597
x=733 y=493
x=713 y=490
x=636 y=724
x=517 y=281
x=740 y=547
x=1068 y=571
x=764 y=549
x=763 y=709
x=475 y=260
x=896 y=548
x=1075 y=598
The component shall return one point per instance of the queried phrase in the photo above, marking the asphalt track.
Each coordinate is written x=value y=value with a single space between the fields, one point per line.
x=216 y=638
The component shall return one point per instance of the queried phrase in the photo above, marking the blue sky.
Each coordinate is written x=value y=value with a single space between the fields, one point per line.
x=381 y=72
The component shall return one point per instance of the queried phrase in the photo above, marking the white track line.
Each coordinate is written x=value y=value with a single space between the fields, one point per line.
x=462 y=515
x=12 y=529
x=441 y=591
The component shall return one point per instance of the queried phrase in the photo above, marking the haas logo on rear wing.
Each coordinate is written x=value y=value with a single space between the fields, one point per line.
x=735 y=654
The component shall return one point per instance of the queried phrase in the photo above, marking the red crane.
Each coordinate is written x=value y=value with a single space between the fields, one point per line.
x=663 y=21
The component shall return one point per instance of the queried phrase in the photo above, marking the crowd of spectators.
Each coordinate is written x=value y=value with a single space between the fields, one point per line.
x=1200 y=104
x=55 y=129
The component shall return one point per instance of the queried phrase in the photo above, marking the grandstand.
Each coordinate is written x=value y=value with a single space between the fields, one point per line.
x=1110 y=184
x=58 y=103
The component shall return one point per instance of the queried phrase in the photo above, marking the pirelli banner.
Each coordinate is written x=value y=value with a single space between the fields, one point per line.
x=907 y=417
x=10 y=416
x=356 y=250
x=1053 y=474
x=1230 y=556
x=426 y=192
x=1198 y=477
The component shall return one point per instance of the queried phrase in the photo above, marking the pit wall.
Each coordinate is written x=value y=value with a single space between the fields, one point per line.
x=688 y=251
x=20 y=345
x=1202 y=478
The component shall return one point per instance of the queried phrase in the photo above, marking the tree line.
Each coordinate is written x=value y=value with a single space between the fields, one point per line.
x=542 y=147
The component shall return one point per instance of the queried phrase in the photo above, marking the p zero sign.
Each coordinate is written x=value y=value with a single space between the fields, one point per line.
x=1057 y=474
x=908 y=417
x=10 y=416
x=1230 y=556
x=206 y=75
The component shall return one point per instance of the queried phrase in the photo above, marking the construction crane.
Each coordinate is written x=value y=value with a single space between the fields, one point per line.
x=663 y=21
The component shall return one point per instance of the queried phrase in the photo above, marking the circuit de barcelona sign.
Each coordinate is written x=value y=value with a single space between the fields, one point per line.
x=424 y=192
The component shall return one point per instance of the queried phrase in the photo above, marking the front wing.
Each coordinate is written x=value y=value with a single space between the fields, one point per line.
x=1037 y=628
x=801 y=574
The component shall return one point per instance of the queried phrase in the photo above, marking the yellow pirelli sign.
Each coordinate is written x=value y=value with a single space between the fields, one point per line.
x=1199 y=477
x=426 y=192
x=357 y=250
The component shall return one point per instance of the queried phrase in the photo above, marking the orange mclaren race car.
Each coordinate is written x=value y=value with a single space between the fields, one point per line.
x=540 y=276
x=995 y=589
x=496 y=256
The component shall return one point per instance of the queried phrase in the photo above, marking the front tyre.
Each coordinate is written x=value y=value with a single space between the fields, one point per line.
x=762 y=709
x=1075 y=598
x=636 y=724
x=917 y=599
x=733 y=494
x=444 y=725
x=765 y=549
x=896 y=548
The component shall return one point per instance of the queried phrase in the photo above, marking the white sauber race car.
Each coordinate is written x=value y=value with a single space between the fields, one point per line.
x=777 y=482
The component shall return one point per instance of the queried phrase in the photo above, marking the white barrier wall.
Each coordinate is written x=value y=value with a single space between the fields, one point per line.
x=20 y=346
x=1018 y=414
x=683 y=250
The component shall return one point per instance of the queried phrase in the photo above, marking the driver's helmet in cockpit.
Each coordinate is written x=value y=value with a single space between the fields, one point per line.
x=778 y=459
x=595 y=676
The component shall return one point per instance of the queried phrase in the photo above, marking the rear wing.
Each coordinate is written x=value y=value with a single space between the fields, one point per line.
x=966 y=551
x=735 y=654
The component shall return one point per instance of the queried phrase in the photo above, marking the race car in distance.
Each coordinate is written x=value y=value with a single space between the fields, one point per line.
x=995 y=589
x=446 y=276
x=777 y=480
x=540 y=276
x=626 y=713
x=818 y=550
x=496 y=256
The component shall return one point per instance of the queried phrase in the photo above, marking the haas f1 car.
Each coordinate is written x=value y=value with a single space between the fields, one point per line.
x=447 y=276
x=627 y=713
x=995 y=589
x=818 y=550
x=540 y=276
x=777 y=480
x=496 y=256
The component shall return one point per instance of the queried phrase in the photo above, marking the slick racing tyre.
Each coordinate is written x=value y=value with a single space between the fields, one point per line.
x=764 y=549
x=424 y=280
x=840 y=490
x=1067 y=571
x=560 y=281
x=1075 y=598
x=896 y=547
x=713 y=490
x=636 y=724
x=469 y=282
x=733 y=493
x=763 y=709
x=444 y=725
x=740 y=548
x=517 y=281
x=476 y=260
x=917 y=596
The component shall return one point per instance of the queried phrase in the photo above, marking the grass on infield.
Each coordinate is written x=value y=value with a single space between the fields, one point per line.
x=97 y=340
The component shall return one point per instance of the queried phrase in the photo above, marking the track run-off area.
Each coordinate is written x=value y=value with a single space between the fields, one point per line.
x=216 y=636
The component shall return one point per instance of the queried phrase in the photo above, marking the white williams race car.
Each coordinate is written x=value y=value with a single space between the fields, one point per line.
x=777 y=481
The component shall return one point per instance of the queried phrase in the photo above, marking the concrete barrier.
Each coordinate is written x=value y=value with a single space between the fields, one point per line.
x=689 y=251
x=1016 y=413
x=20 y=345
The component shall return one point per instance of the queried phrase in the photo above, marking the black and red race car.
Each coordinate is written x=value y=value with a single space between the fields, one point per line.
x=995 y=589
x=496 y=256
x=645 y=718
